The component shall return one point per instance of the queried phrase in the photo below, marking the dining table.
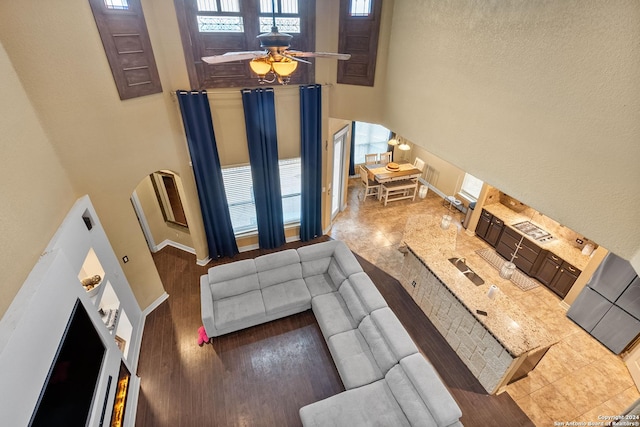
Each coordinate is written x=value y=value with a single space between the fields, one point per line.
x=382 y=174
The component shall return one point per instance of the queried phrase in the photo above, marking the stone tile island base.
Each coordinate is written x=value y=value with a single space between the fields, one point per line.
x=483 y=353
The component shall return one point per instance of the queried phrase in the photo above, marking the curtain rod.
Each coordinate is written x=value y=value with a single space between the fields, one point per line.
x=238 y=91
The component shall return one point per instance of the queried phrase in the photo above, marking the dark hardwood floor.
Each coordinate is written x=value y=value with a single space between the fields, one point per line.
x=262 y=375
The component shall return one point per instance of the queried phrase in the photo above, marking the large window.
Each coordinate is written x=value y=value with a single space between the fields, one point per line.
x=213 y=27
x=369 y=138
x=239 y=188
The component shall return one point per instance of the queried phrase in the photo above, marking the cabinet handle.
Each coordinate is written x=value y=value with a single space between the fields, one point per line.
x=571 y=269
x=514 y=257
x=554 y=258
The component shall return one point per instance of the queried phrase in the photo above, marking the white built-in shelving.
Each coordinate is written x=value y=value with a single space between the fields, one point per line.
x=33 y=326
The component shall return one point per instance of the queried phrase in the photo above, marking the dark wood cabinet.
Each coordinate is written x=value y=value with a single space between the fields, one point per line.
x=483 y=224
x=495 y=230
x=528 y=256
x=564 y=279
x=557 y=274
x=548 y=268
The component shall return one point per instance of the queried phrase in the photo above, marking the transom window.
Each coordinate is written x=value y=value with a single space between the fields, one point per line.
x=117 y=4
x=219 y=6
x=360 y=7
x=238 y=185
x=287 y=16
x=369 y=138
x=219 y=16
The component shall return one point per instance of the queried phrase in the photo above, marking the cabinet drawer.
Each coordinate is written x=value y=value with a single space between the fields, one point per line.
x=486 y=214
x=570 y=268
x=554 y=258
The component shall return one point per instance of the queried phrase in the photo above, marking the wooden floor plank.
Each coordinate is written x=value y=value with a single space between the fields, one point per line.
x=262 y=375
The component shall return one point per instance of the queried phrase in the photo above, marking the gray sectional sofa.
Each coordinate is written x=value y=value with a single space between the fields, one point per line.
x=387 y=381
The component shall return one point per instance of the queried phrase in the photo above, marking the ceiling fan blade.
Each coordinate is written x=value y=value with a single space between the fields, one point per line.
x=340 y=56
x=234 y=56
x=286 y=55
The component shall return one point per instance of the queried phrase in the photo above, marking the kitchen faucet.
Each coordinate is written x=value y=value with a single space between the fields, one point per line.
x=463 y=259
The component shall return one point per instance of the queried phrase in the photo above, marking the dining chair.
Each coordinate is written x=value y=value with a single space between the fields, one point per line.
x=371 y=188
x=385 y=157
x=370 y=159
x=418 y=163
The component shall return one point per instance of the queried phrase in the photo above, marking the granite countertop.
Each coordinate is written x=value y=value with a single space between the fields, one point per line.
x=558 y=246
x=505 y=320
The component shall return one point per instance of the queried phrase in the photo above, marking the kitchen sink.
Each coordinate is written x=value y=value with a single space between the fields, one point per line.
x=460 y=264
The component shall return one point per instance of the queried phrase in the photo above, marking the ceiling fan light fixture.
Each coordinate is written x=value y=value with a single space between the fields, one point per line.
x=285 y=67
x=260 y=66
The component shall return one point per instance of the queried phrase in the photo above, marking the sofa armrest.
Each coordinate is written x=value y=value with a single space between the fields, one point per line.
x=206 y=306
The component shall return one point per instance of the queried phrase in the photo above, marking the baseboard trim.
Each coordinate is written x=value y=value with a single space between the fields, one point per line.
x=292 y=239
x=203 y=262
x=155 y=304
x=564 y=305
x=248 y=248
x=177 y=245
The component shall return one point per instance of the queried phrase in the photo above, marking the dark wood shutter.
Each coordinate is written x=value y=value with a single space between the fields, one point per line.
x=359 y=37
x=126 y=42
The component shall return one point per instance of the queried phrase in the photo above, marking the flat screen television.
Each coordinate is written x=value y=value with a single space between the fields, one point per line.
x=68 y=392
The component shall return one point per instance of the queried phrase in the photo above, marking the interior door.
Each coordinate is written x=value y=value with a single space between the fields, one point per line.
x=337 y=184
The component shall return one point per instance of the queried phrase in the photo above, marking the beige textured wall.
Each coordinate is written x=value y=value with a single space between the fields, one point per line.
x=441 y=174
x=361 y=103
x=29 y=214
x=537 y=98
x=105 y=145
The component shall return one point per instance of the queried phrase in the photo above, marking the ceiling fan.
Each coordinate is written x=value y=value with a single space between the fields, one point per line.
x=276 y=61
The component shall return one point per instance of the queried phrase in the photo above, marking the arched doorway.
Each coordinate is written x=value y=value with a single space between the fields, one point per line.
x=158 y=201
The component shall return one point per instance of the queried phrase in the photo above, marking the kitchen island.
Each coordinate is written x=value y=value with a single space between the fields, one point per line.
x=498 y=347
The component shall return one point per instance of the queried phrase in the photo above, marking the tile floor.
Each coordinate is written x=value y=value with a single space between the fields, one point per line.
x=577 y=380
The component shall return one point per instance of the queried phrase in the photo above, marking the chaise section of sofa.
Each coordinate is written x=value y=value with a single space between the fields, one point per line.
x=410 y=394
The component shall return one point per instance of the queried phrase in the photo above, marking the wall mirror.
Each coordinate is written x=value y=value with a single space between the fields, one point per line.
x=169 y=198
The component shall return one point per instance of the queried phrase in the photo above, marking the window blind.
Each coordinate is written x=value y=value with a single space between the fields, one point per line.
x=238 y=185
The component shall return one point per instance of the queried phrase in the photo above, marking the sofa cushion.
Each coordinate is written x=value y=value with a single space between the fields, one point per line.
x=408 y=398
x=278 y=267
x=354 y=304
x=286 y=296
x=432 y=391
x=395 y=335
x=370 y=405
x=384 y=357
x=332 y=314
x=238 y=309
x=367 y=291
x=315 y=258
x=353 y=358
x=346 y=260
x=233 y=279
x=320 y=284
